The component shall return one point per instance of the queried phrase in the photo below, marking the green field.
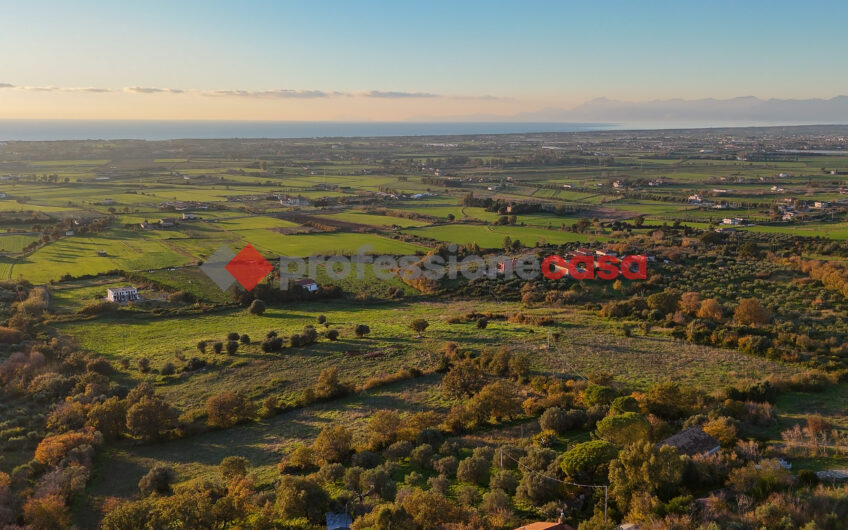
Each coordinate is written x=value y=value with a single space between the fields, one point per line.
x=493 y=236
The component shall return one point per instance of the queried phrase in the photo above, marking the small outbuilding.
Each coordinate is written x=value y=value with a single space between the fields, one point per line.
x=693 y=442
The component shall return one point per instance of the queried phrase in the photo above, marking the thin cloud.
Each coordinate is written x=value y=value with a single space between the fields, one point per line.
x=57 y=88
x=150 y=90
x=397 y=95
x=280 y=93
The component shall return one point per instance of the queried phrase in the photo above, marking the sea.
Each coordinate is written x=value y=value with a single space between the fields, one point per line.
x=55 y=130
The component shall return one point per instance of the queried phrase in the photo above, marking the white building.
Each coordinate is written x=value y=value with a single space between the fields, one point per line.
x=821 y=204
x=122 y=294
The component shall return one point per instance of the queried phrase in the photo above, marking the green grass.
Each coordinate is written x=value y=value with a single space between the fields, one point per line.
x=78 y=255
x=488 y=236
x=381 y=221
x=16 y=242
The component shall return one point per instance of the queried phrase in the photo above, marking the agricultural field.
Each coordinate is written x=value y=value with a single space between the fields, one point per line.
x=736 y=331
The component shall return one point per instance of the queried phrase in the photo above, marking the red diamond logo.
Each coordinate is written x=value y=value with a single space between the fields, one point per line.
x=249 y=267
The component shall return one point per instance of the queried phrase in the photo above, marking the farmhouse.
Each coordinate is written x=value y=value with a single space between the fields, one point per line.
x=695 y=199
x=693 y=442
x=559 y=525
x=167 y=222
x=188 y=216
x=821 y=204
x=308 y=284
x=122 y=294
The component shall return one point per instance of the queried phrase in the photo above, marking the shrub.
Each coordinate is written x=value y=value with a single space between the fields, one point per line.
x=201 y=346
x=598 y=395
x=158 y=480
x=383 y=428
x=333 y=334
x=588 y=460
x=232 y=347
x=272 y=344
x=398 y=450
x=365 y=459
x=446 y=466
x=562 y=421
x=227 y=408
x=624 y=429
x=496 y=501
x=333 y=444
x=544 y=438
x=361 y=330
x=331 y=473
x=47 y=512
x=751 y=312
x=301 y=497
x=468 y=495
x=421 y=456
x=419 y=325
x=53 y=449
x=232 y=336
x=464 y=379
x=144 y=365
x=233 y=467
x=474 y=470
x=504 y=480
x=218 y=347
x=439 y=484
x=168 y=369
x=328 y=385
x=245 y=339
x=257 y=307
x=710 y=309
x=624 y=404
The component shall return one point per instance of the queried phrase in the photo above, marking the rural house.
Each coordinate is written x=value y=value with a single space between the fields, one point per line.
x=559 y=525
x=307 y=284
x=693 y=442
x=122 y=294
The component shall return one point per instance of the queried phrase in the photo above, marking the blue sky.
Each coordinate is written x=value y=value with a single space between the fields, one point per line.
x=528 y=54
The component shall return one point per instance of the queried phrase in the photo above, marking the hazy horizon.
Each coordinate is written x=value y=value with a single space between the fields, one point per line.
x=283 y=61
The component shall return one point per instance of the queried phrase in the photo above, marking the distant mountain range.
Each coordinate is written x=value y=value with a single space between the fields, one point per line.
x=741 y=109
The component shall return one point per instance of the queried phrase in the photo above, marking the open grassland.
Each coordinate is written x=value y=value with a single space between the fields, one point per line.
x=493 y=236
x=380 y=221
x=79 y=255
x=837 y=231
x=587 y=345
x=16 y=242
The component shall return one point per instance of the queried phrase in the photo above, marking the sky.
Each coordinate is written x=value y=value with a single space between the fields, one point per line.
x=421 y=61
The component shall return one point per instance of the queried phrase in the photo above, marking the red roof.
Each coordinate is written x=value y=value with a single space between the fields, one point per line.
x=545 y=526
